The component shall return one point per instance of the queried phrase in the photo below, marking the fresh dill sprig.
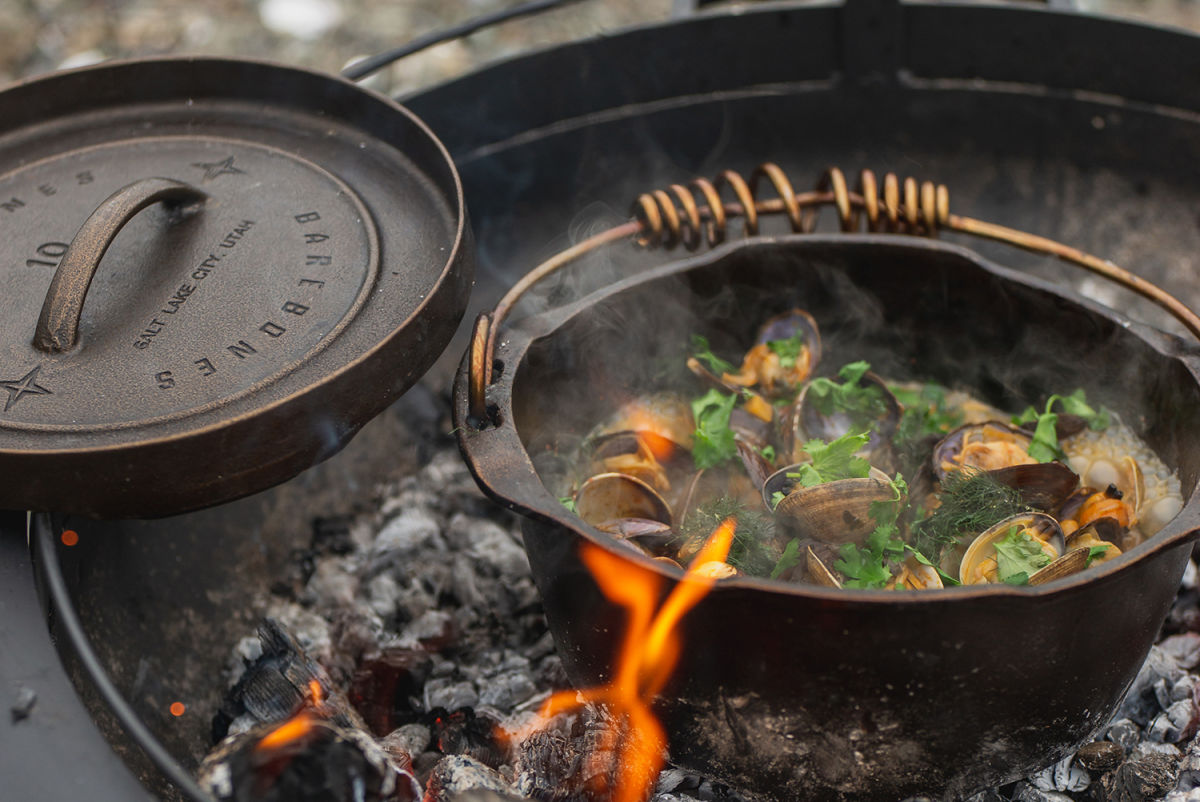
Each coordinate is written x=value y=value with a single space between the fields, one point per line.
x=749 y=552
x=971 y=501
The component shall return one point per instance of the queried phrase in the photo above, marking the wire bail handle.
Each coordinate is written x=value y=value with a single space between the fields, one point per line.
x=695 y=214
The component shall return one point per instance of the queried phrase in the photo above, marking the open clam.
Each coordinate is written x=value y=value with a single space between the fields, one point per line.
x=1037 y=537
x=915 y=575
x=832 y=512
x=610 y=497
x=785 y=353
x=824 y=419
x=1003 y=451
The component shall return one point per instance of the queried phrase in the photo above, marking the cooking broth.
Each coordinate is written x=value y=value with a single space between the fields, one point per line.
x=851 y=480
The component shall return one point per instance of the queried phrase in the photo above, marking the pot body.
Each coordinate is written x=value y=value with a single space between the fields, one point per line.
x=800 y=692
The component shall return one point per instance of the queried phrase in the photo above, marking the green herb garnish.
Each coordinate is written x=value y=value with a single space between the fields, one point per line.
x=925 y=412
x=947 y=580
x=863 y=404
x=971 y=502
x=702 y=352
x=867 y=567
x=788 y=350
x=569 y=503
x=1045 y=447
x=713 y=442
x=833 y=460
x=767 y=453
x=748 y=552
x=1096 y=551
x=1018 y=557
x=777 y=497
x=789 y=558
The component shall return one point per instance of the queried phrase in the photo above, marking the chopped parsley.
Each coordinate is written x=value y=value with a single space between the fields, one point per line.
x=867 y=567
x=1045 y=447
x=833 y=460
x=787 y=560
x=925 y=412
x=788 y=350
x=713 y=440
x=1095 y=552
x=703 y=352
x=569 y=503
x=1018 y=557
x=863 y=403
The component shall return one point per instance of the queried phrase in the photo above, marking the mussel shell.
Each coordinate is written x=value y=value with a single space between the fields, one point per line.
x=813 y=424
x=1043 y=485
x=951 y=445
x=833 y=512
x=611 y=496
x=981 y=549
x=787 y=325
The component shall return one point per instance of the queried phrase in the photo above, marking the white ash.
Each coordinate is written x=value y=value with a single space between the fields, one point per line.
x=438 y=570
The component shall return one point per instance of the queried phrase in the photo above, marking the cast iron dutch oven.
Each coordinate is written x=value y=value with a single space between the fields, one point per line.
x=216 y=272
x=802 y=692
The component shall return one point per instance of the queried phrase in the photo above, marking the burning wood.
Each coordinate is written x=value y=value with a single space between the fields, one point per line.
x=650 y=647
x=319 y=751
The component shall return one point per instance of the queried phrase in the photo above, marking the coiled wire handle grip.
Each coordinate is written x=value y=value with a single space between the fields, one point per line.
x=696 y=214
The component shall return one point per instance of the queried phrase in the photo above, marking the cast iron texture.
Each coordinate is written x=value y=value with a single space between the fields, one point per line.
x=800 y=692
x=320 y=265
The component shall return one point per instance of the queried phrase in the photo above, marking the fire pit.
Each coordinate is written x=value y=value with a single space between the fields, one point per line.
x=1055 y=147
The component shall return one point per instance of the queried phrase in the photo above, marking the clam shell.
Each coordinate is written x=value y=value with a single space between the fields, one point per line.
x=655 y=537
x=818 y=572
x=916 y=575
x=611 y=496
x=981 y=550
x=945 y=453
x=1072 y=562
x=813 y=424
x=665 y=414
x=833 y=512
x=1043 y=485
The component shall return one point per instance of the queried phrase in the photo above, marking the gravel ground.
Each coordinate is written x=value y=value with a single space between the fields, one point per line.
x=41 y=35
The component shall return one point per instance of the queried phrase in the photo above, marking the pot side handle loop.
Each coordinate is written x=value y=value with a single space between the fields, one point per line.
x=58 y=325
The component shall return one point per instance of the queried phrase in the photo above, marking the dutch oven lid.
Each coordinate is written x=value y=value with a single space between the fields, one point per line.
x=214 y=273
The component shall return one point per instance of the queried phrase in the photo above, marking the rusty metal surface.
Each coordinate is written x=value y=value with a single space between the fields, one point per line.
x=895 y=677
x=222 y=350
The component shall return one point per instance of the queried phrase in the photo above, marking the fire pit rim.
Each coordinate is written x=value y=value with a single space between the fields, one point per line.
x=528 y=495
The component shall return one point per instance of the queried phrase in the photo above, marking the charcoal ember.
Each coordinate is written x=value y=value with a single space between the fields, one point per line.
x=409 y=740
x=458 y=774
x=1027 y=792
x=1191 y=795
x=1185 y=613
x=1170 y=751
x=415 y=530
x=1175 y=724
x=490 y=544
x=278 y=684
x=1136 y=780
x=1062 y=776
x=385 y=683
x=469 y=732
x=510 y=685
x=1141 y=701
x=990 y=795
x=1184 y=649
x=319 y=762
x=449 y=693
x=482 y=795
x=1100 y=756
x=1124 y=732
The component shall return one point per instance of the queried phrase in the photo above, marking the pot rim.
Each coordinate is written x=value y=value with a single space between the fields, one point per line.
x=520 y=488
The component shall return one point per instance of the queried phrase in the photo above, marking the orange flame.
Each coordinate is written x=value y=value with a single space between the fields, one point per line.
x=298 y=725
x=293 y=729
x=648 y=654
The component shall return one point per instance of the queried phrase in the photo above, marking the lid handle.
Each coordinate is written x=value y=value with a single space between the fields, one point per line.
x=58 y=325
